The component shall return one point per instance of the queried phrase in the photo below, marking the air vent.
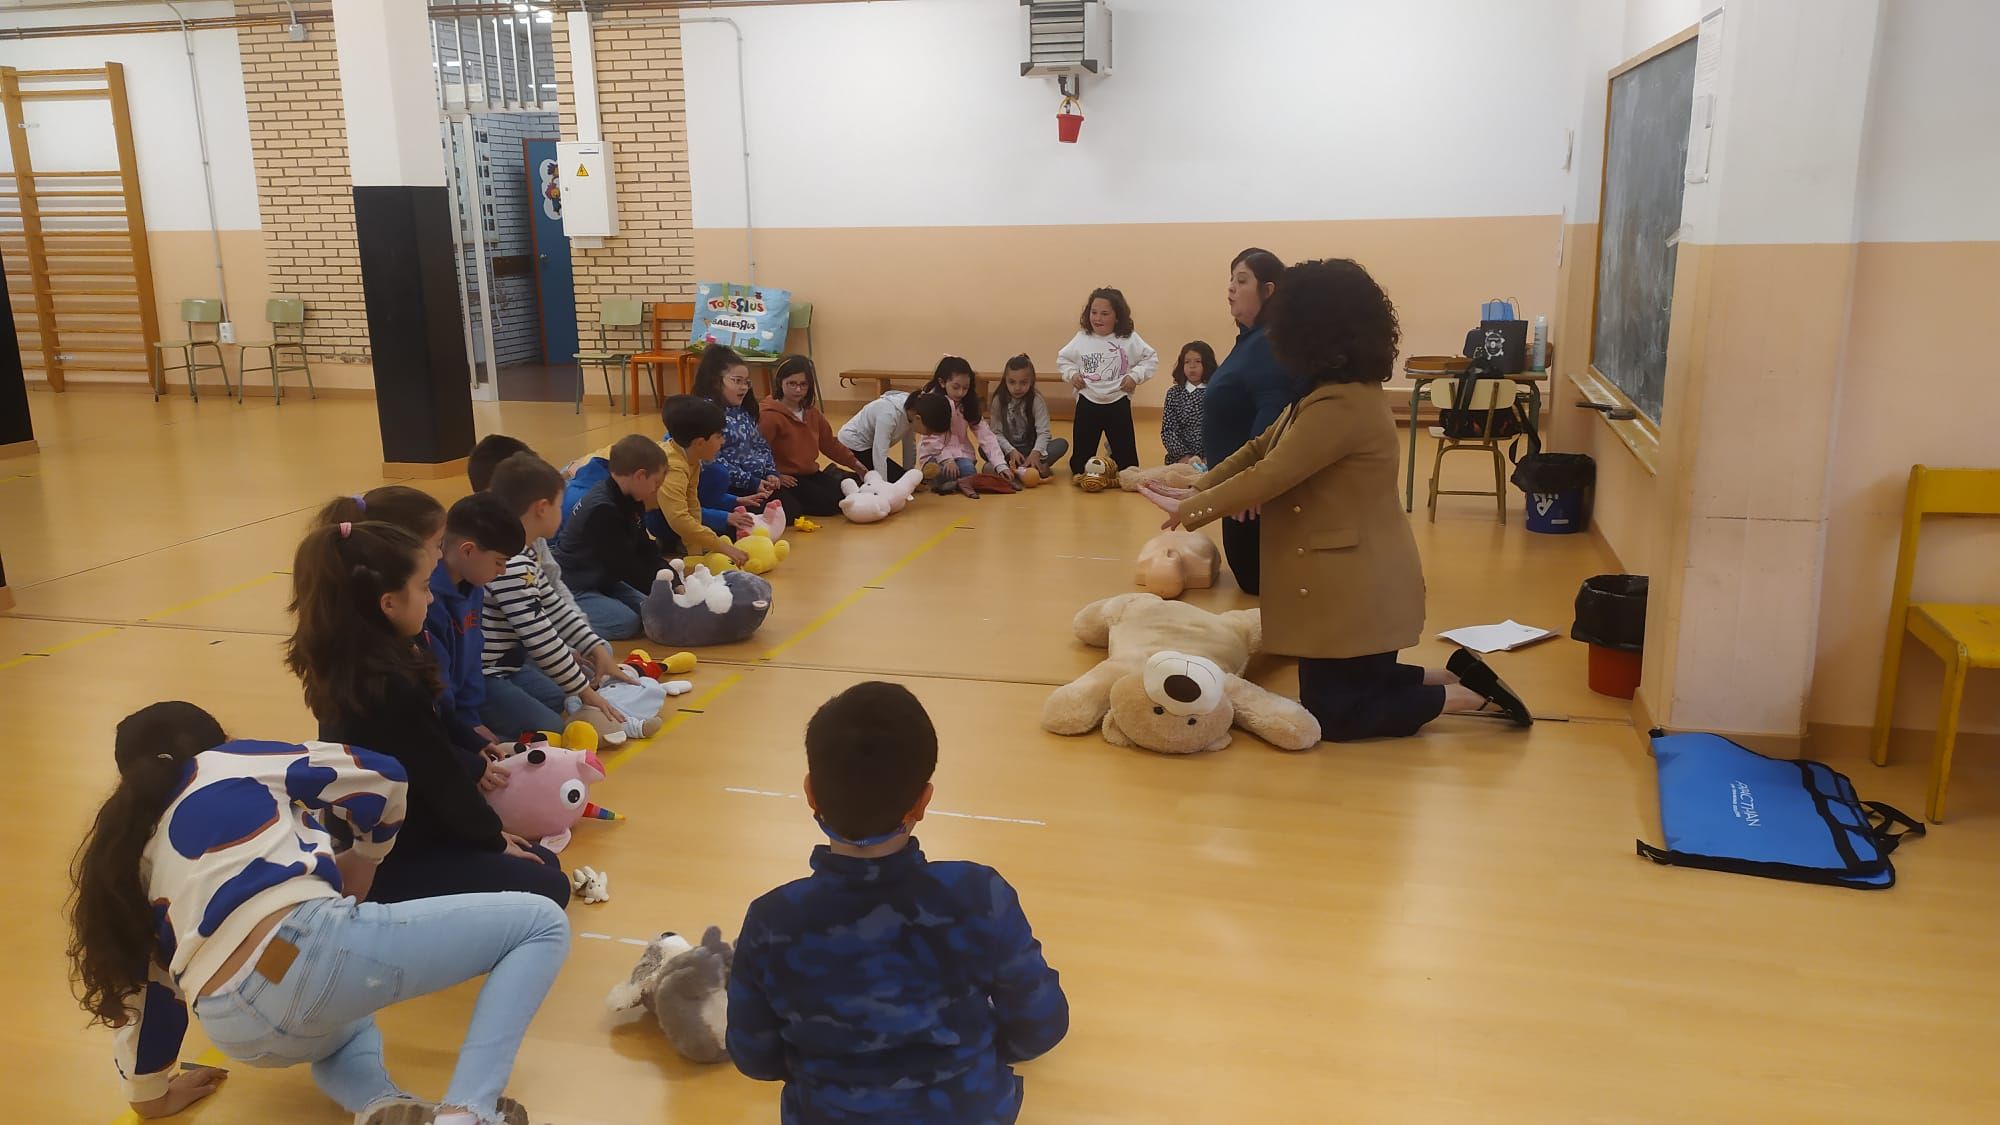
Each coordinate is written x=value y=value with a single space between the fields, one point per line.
x=1068 y=37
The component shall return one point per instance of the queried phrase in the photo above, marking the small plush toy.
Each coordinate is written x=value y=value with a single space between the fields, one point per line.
x=545 y=793
x=1175 y=475
x=703 y=608
x=1174 y=561
x=1030 y=478
x=1172 y=681
x=766 y=551
x=804 y=524
x=1099 y=473
x=771 y=520
x=679 y=664
x=610 y=732
x=875 y=499
x=591 y=885
x=687 y=990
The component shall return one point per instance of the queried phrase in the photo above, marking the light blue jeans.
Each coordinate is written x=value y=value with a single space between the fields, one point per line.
x=357 y=958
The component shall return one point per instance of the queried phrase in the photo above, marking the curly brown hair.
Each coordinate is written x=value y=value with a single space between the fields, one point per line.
x=1331 y=323
x=1121 y=311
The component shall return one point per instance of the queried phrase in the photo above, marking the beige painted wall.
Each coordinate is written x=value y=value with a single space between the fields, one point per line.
x=899 y=298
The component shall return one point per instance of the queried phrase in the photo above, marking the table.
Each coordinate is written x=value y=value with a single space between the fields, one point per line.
x=684 y=364
x=1532 y=380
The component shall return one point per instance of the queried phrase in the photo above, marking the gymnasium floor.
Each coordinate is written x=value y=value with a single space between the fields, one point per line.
x=1448 y=928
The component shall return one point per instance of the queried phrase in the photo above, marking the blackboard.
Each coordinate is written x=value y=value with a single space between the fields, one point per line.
x=1645 y=159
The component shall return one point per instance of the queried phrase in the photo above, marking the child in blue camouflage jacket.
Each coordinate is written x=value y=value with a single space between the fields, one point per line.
x=885 y=987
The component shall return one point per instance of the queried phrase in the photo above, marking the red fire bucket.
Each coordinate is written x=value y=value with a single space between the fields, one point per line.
x=1069 y=121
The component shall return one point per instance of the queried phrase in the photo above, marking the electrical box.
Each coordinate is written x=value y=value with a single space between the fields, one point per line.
x=589 y=196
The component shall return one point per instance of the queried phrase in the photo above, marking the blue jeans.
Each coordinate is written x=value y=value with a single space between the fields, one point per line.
x=355 y=959
x=613 y=616
x=965 y=469
x=520 y=701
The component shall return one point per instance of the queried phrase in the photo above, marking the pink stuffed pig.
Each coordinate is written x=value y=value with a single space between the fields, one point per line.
x=545 y=793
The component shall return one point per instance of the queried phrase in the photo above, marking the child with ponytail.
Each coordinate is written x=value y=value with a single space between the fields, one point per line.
x=288 y=967
x=360 y=593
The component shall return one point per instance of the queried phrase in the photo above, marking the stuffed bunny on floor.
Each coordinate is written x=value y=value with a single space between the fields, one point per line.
x=687 y=990
x=1172 y=681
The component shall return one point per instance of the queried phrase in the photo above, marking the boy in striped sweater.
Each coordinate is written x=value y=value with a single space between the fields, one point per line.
x=539 y=649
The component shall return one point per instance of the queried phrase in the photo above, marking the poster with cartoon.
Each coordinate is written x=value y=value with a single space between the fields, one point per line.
x=752 y=319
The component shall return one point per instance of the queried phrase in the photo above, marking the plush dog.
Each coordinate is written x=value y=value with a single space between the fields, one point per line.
x=1173 y=680
x=687 y=990
x=1175 y=561
x=703 y=608
x=875 y=499
x=1175 y=475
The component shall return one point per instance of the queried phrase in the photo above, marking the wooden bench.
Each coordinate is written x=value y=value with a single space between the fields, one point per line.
x=885 y=381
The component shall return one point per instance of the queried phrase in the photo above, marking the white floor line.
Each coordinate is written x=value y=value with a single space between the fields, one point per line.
x=1092 y=558
x=620 y=940
x=933 y=812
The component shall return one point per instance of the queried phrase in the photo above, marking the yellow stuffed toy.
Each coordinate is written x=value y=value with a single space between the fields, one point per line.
x=765 y=555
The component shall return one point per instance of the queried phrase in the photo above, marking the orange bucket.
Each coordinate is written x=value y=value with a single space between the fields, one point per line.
x=1615 y=672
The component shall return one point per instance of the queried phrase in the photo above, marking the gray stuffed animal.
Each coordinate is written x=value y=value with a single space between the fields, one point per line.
x=693 y=608
x=687 y=990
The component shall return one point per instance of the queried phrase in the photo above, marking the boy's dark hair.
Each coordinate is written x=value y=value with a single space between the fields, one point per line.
x=1200 y=348
x=412 y=509
x=948 y=368
x=523 y=479
x=870 y=751
x=1330 y=323
x=1122 y=326
x=792 y=365
x=716 y=362
x=636 y=453
x=487 y=455
x=690 y=418
x=1265 y=267
x=932 y=408
x=485 y=521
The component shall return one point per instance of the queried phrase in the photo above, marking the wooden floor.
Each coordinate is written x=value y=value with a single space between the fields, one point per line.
x=1448 y=928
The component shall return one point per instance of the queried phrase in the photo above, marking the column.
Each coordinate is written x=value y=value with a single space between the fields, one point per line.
x=17 y=429
x=1754 y=362
x=402 y=223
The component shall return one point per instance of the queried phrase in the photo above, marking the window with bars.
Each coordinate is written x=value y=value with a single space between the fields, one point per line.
x=493 y=56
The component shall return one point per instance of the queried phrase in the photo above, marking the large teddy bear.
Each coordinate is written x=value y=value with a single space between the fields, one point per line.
x=1173 y=680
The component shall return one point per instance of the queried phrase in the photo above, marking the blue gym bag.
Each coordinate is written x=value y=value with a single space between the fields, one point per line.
x=1726 y=808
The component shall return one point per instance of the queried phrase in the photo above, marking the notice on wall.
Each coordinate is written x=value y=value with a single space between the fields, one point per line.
x=1707 y=76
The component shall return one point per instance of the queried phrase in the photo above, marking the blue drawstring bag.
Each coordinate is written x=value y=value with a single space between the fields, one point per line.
x=1725 y=808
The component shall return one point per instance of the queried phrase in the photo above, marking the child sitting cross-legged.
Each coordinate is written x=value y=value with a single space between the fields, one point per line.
x=694 y=439
x=1021 y=420
x=948 y=455
x=604 y=548
x=798 y=434
x=480 y=535
x=539 y=649
x=885 y=987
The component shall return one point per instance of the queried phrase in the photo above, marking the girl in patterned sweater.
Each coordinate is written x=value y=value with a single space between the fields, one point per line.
x=1180 y=421
x=209 y=877
x=724 y=379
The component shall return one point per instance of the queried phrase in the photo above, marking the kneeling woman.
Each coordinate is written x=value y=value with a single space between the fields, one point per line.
x=1343 y=587
x=209 y=878
x=360 y=591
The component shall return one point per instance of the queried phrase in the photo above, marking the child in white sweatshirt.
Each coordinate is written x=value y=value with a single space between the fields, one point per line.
x=1104 y=362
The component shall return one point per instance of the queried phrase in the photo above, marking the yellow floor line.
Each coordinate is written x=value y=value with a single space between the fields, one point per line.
x=842 y=606
x=53 y=649
x=207 y=598
x=616 y=758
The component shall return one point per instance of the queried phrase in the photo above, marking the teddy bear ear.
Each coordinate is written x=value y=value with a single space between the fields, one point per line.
x=1112 y=734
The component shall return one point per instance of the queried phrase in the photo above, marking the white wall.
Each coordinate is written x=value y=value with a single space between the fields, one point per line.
x=1932 y=153
x=78 y=134
x=915 y=114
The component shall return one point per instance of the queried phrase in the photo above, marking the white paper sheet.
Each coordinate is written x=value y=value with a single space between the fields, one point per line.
x=1504 y=637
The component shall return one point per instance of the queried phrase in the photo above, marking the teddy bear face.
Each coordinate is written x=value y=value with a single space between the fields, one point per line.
x=1187 y=717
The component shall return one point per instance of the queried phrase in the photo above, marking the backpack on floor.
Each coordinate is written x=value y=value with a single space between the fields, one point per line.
x=1726 y=808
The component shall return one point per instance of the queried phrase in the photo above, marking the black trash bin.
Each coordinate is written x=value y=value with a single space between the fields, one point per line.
x=1611 y=619
x=1559 y=487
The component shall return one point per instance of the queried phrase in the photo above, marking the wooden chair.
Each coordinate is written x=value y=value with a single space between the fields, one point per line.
x=1494 y=398
x=619 y=313
x=195 y=314
x=288 y=337
x=1964 y=636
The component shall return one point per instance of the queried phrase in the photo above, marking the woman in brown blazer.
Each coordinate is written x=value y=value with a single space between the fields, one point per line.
x=1343 y=587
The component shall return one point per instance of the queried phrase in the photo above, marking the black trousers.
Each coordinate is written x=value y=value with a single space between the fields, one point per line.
x=452 y=870
x=816 y=494
x=867 y=459
x=1111 y=424
x=1242 y=548
x=1367 y=697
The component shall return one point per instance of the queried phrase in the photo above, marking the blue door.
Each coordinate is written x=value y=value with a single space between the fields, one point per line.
x=555 y=286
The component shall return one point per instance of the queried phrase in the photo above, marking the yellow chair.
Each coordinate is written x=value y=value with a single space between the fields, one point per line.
x=1493 y=398
x=1963 y=636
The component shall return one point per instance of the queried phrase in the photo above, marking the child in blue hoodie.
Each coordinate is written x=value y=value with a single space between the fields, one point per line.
x=480 y=534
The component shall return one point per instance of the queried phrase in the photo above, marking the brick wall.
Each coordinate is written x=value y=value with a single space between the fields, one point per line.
x=644 y=118
x=299 y=142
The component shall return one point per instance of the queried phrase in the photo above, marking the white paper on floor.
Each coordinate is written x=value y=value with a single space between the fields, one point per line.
x=1504 y=637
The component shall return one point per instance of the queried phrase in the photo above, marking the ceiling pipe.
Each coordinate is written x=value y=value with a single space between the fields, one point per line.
x=207 y=169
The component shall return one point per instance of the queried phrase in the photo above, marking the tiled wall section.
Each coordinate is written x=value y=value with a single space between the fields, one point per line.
x=299 y=141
